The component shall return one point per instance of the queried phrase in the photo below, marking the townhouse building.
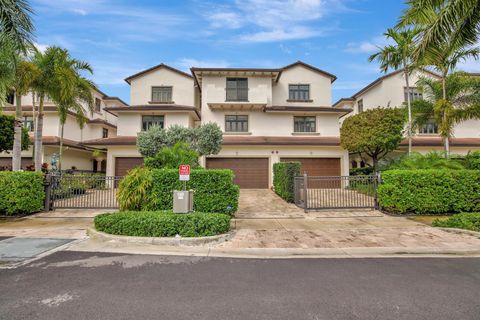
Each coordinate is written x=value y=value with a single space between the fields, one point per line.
x=76 y=155
x=390 y=91
x=266 y=115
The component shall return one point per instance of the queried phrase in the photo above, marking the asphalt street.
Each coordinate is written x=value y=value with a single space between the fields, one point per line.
x=83 y=285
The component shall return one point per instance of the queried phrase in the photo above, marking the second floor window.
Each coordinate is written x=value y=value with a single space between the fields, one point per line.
x=360 y=105
x=162 y=94
x=429 y=128
x=304 y=124
x=236 y=123
x=237 y=89
x=415 y=94
x=98 y=103
x=299 y=92
x=150 y=121
x=28 y=123
x=104 y=133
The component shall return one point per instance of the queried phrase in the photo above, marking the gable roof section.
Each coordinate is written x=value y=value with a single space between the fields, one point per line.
x=308 y=66
x=159 y=66
x=388 y=75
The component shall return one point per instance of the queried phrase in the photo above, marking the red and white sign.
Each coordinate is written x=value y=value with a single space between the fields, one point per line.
x=184 y=172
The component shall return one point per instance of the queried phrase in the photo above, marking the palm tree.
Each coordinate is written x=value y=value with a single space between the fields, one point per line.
x=396 y=56
x=448 y=103
x=60 y=79
x=455 y=22
x=7 y=70
x=25 y=73
x=445 y=58
x=15 y=24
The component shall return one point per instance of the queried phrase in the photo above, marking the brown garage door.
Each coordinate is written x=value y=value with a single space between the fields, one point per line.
x=250 y=173
x=318 y=166
x=122 y=165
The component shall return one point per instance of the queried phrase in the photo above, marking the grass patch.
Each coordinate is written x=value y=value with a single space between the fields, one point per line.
x=428 y=220
x=468 y=221
x=162 y=224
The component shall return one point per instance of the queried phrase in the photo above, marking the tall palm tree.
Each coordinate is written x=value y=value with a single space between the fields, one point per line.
x=396 y=56
x=445 y=58
x=25 y=73
x=453 y=21
x=61 y=79
x=448 y=103
x=16 y=24
x=7 y=70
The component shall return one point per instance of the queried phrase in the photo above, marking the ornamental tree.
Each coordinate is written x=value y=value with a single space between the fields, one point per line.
x=205 y=140
x=373 y=133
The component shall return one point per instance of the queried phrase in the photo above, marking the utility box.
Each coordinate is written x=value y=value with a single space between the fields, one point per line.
x=182 y=201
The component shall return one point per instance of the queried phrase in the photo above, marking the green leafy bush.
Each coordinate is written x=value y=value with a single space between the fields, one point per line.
x=7 y=130
x=284 y=174
x=430 y=191
x=173 y=157
x=163 y=224
x=431 y=160
x=206 y=139
x=21 y=192
x=468 y=221
x=365 y=171
x=472 y=160
x=152 y=189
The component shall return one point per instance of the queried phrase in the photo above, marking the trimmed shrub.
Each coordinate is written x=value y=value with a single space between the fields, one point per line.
x=418 y=161
x=430 y=191
x=284 y=174
x=152 y=190
x=21 y=192
x=173 y=157
x=162 y=224
x=365 y=171
x=472 y=160
x=468 y=221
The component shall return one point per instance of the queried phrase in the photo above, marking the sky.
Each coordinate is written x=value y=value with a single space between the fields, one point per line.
x=120 y=38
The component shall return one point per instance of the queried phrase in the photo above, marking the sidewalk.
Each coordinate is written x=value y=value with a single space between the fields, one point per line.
x=376 y=235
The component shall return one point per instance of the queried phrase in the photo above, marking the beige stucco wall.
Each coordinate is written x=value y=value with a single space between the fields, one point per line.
x=273 y=124
x=320 y=87
x=130 y=124
x=71 y=157
x=141 y=87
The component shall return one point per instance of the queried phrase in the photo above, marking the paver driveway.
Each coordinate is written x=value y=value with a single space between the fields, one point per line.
x=264 y=203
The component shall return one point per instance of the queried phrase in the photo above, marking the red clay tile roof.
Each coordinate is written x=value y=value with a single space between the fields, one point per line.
x=280 y=141
x=306 y=109
x=438 y=141
x=113 y=141
x=102 y=122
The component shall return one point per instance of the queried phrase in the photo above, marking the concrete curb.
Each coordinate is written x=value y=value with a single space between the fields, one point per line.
x=162 y=241
x=460 y=231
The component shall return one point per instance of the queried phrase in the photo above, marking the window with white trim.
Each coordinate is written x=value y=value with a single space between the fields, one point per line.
x=304 y=124
x=162 y=94
x=430 y=127
x=299 y=92
x=237 y=89
x=236 y=123
x=415 y=94
x=150 y=121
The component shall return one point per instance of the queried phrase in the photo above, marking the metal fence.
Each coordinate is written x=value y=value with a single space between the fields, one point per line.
x=337 y=192
x=81 y=191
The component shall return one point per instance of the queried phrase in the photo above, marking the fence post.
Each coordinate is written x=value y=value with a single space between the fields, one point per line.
x=48 y=188
x=305 y=192
x=376 y=182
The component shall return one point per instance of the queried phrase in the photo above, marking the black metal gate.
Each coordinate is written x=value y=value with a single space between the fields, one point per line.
x=81 y=191
x=338 y=192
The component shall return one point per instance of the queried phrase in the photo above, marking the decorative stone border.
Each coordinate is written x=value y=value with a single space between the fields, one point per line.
x=163 y=241
x=460 y=231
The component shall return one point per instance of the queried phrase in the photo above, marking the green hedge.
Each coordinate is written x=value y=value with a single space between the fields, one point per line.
x=284 y=174
x=468 y=221
x=152 y=189
x=162 y=224
x=430 y=191
x=21 y=192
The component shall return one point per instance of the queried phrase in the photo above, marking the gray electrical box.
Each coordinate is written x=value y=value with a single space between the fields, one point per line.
x=182 y=201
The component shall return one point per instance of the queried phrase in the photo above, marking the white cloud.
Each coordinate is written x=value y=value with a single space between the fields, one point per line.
x=113 y=72
x=41 y=47
x=186 y=63
x=369 y=46
x=275 y=20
